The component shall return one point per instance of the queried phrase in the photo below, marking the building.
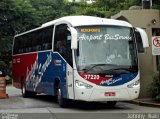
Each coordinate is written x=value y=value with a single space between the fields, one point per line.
x=149 y=20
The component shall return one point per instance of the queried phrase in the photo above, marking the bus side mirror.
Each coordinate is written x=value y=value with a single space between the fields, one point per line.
x=73 y=38
x=141 y=40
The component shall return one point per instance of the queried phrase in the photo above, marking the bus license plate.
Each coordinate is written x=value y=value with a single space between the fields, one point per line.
x=110 y=94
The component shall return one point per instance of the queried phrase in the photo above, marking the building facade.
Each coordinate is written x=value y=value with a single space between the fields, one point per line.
x=149 y=20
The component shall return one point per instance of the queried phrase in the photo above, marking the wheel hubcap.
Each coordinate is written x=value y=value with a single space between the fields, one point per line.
x=23 y=89
x=59 y=95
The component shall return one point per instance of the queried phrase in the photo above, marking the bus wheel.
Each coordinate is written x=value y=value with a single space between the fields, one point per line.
x=111 y=103
x=23 y=90
x=61 y=101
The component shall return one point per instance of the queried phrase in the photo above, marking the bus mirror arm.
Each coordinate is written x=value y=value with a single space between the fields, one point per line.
x=73 y=38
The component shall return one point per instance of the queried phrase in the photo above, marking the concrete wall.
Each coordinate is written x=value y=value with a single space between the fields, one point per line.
x=142 y=18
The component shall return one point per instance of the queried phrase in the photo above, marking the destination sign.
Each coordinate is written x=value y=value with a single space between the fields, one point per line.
x=92 y=30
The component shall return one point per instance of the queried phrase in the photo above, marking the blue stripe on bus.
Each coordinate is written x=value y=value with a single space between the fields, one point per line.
x=49 y=66
x=120 y=80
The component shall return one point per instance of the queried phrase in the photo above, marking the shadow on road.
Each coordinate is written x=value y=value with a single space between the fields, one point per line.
x=82 y=105
x=96 y=106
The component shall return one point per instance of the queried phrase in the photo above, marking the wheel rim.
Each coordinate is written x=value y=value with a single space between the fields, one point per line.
x=59 y=95
x=23 y=89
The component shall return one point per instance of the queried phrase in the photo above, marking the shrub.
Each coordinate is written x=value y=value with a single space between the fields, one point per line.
x=155 y=86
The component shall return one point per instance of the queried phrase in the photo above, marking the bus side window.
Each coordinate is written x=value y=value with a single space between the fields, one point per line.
x=17 y=47
x=47 y=46
x=37 y=40
x=46 y=38
x=38 y=47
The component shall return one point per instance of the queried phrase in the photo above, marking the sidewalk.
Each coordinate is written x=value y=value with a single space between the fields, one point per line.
x=146 y=102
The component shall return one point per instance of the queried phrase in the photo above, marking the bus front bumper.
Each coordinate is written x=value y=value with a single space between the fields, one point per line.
x=107 y=94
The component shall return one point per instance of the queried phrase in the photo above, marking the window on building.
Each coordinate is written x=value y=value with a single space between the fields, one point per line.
x=156 y=32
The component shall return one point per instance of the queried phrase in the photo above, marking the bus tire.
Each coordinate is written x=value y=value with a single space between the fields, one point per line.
x=23 y=90
x=111 y=103
x=61 y=101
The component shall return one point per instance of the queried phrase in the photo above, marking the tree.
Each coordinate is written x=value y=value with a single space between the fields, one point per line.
x=16 y=16
x=156 y=4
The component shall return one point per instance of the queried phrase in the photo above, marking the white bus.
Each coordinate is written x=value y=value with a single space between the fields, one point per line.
x=79 y=58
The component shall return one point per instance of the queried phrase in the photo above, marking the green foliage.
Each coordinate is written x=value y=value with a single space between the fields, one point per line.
x=85 y=9
x=156 y=4
x=16 y=16
x=155 y=86
x=114 y=6
x=48 y=10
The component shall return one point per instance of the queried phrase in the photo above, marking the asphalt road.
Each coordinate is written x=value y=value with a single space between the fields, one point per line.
x=45 y=107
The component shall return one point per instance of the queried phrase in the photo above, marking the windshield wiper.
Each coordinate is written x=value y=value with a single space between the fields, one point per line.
x=85 y=71
x=123 y=69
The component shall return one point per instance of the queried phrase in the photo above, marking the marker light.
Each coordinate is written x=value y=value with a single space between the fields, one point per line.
x=83 y=85
x=133 y=85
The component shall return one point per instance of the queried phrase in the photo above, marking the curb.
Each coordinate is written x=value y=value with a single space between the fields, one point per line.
x=145 y=103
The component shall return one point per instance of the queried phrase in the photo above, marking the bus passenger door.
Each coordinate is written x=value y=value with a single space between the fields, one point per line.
x=62 y=45
x=70 y=82
x=69 y=60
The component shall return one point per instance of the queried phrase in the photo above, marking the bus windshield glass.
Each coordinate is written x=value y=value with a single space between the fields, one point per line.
x=103 y=49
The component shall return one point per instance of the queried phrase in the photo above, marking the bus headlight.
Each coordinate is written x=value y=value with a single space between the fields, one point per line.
x=133 y=85
x=83 y=85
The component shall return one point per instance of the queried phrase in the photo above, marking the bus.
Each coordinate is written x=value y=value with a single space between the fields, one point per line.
x=82 y=58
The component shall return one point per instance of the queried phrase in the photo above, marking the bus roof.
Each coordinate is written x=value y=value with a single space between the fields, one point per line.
x=82 y=21
x=87 y=20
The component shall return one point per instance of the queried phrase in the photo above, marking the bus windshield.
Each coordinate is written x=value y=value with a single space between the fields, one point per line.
x=102 y=49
